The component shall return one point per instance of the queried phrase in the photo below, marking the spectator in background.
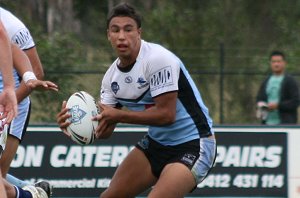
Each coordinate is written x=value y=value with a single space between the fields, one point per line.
x=278 y=96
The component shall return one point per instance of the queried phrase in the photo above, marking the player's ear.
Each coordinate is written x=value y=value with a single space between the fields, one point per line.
x=140 y=32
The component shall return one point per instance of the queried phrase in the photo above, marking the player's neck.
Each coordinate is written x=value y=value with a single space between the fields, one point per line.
x=127 y=67
x=125 y=62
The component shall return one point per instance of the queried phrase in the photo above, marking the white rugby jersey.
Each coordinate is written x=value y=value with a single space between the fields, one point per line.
x=157 y=71
x=18 y=34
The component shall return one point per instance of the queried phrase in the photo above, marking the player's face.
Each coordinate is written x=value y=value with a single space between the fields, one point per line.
x=125 y=37
x=277 y=64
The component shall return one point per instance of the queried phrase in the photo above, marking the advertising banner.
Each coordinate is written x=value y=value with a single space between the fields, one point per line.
x=248 y=163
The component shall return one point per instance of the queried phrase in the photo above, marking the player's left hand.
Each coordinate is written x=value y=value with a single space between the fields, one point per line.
x=8 y=104
x=41 y=85
x=107 y=120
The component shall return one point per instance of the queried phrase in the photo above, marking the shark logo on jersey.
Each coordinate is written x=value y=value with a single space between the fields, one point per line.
x=115 y=87
x=142 y=82
x=76 y=114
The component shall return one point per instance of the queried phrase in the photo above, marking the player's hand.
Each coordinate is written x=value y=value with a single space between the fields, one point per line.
x=62 y=118
x=106 y=121
x=8 y=104
x=41 y=85
x=272 y=106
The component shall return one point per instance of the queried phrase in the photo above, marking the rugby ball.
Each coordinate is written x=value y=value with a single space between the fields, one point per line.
x=82 y=107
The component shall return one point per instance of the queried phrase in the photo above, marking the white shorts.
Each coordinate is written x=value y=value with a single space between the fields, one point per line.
x=19 y=124
x=3 y=135
x=206 y=160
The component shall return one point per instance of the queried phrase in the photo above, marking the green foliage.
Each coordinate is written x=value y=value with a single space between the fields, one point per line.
x=65 y=62
x=92 y=15
x=59 y=55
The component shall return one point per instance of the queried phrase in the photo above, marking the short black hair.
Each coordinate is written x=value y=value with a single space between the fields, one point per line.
x=124 y=10
x=277 y=53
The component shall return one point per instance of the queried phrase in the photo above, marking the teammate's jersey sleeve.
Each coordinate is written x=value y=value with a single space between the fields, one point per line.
x=16 y=30
x=18 y=34
x=164 y=69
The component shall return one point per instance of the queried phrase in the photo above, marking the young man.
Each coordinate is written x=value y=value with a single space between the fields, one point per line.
x=279 y=93
x=20 y=35
x=158 y=91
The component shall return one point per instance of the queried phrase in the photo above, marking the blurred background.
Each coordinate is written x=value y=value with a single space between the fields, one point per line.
x=225 y=45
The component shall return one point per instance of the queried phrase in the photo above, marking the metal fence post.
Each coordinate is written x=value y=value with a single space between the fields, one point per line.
x=222 y=54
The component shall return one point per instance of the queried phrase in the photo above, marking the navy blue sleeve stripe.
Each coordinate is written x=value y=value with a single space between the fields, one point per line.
x=188 y=99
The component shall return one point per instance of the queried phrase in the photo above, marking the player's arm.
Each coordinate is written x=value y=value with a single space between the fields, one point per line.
x=105 y=127
x=5 y=58
x=21 y=64
x=8 y=102
x=29 y=82
x=35 y=62
x=162 y=113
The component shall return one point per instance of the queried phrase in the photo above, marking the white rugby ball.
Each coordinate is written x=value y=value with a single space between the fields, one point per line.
x=82 y=107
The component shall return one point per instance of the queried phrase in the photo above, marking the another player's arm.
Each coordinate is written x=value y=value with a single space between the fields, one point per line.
x=22 y=65
x=162 y=113
x=8 y=102
x=35 y=62
x=5 y=58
